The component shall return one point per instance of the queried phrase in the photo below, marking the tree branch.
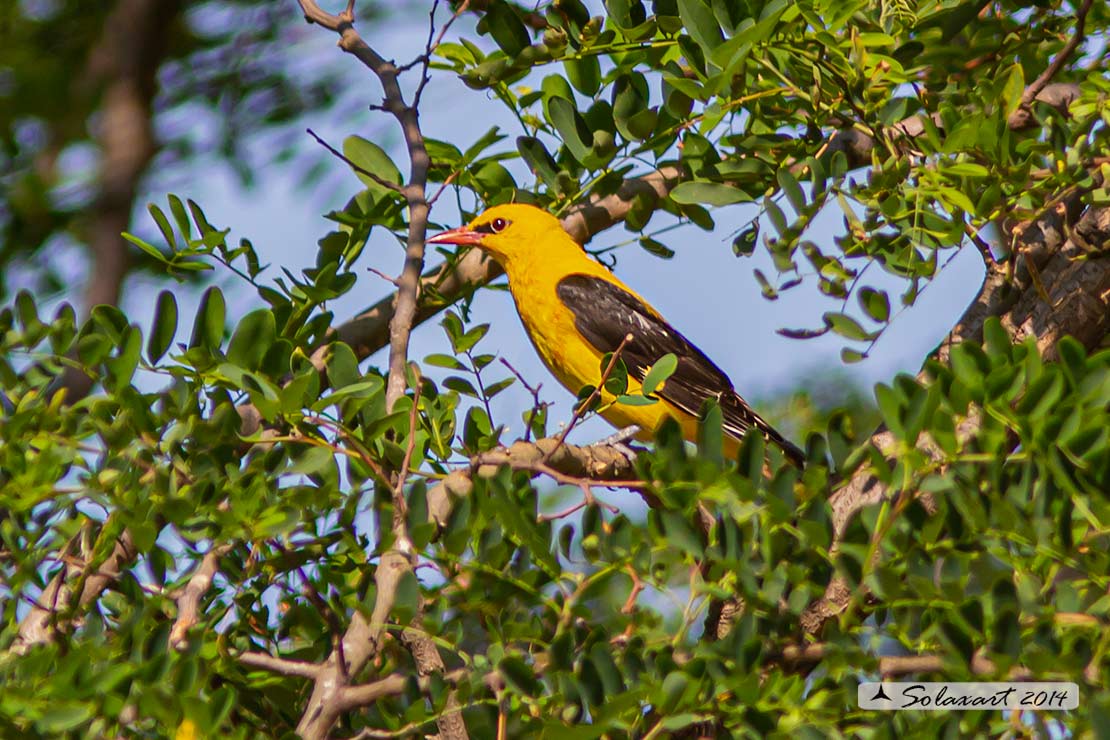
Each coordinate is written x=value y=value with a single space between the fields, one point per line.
x=595 y=463
x=1062 y=58
x=1078 y=287
x=857 y=146
x=188 y=600
x=324 y=707
x=896 y=666
x=41 y=624
x=284 y=666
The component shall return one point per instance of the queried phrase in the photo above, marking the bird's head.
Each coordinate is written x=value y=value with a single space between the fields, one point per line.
x=511 y=233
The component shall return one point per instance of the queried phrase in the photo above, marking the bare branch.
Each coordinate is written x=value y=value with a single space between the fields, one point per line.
x=1062 y=58
x=188 y=600
x=284 y=666
x=364 y=695
x=570 y=464
x=323 y=708
x=42 y=622
x=804 y=658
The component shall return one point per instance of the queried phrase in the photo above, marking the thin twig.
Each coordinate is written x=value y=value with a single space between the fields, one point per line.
x=361 y=170
x=357 y=449
x=403 y=473
x=582 y=408
x=426 y=58
x=388 y=278
x=439 y=191
x=1061 y=59
x=637 y=587
x=536 y=403
x=309 y=590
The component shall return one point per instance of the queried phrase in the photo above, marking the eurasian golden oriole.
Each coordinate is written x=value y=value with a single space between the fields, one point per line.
x=575 y=311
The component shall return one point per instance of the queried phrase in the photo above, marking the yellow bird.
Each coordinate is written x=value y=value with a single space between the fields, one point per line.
x=575 y=311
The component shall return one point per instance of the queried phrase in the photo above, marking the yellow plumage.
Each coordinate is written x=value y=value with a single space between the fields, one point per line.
x=570 y=304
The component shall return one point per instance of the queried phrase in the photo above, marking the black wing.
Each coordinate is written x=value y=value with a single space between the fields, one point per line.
x=604 y=314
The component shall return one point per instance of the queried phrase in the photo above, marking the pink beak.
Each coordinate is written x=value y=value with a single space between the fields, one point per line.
x=461 y=236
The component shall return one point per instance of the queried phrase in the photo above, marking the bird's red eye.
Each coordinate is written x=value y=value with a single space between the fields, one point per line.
x=498 y=224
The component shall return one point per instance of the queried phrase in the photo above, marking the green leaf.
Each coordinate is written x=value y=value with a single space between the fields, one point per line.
x=625 y=400
x=966 y=169
x=163 y=225
x=792 y=189
x=372 y=158
x=617 y=382
x=996 y=339
x=700 y=23
x=679 y=721
x=180 y=216
x=485 y=141
x=63 y=716
x=631 y=114
x=658 y=373
x=28 y=313
x=448 y=361
x=368 y=388
x=208 y=327
x=585 y=74
x=146 y=246
x=121 y=368
x=1013 y=89
x=572 y=128
x=254 y=335
x=846 y=326
x=471 y=337
x=876 y=303
x=163 y=328
x=711 y=432
x=341 y=365
x=494 y=388
x=555 y=86
x=656 y=248
x=460 y=385
x=849 y=356
x=753 y=454
x=889 y=406
x=505 y=26
x=744 y=243
x=709 y=193
x=519 y=675
x=538 y=159
x=406 y=601
x=1042 y=394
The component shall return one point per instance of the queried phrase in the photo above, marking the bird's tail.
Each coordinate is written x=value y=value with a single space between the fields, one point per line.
x=739 y=417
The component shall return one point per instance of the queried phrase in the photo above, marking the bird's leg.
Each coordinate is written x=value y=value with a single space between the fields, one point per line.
x=617 y=441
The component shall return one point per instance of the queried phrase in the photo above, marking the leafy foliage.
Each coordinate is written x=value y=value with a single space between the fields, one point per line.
x=603 y=619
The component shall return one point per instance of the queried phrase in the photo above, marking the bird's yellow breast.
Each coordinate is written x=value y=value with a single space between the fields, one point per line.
x=571 y=359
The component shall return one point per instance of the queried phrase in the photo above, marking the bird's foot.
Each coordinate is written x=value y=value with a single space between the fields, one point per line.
x=618 y=439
